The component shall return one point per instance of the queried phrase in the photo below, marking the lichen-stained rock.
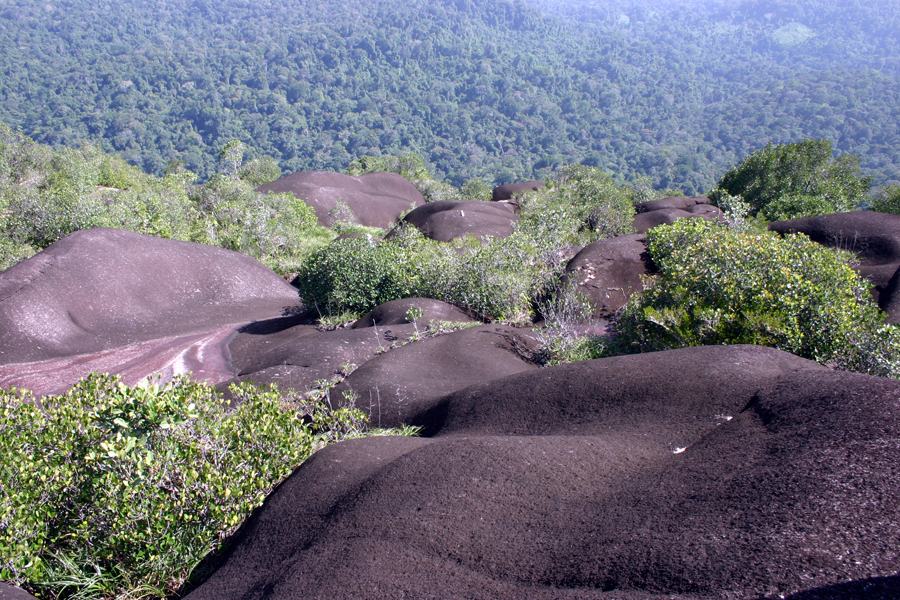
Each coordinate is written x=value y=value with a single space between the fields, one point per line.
x=609 y=271
x=373 y=199
x=448 y=219
x=735 y=472
x=101 y=288
x=875 y=239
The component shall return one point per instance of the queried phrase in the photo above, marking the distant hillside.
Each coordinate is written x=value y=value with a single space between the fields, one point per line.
x=494 y=90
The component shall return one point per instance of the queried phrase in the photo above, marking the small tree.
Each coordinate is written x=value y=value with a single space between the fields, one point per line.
x=788 y=181
x=231 y=157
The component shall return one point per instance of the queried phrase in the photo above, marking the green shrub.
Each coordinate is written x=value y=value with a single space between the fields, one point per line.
x=354 y=275
x=114 y=172
x=276 y=229
x=110 y=491
x=46 y=194
x=495 y=278
x=887 y=200
x=789 y=181
x=476 y=189
x=12 y=253
x=260 y=171
x=720 y=286
x=499 y=279
x=580 y=205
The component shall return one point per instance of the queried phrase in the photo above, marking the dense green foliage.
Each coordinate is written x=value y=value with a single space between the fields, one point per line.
x=887 y=200
x=498 y=90
x=499 y=279
x=46 y=194
x=719 y=286
x=110 y=491
x=579 y=205
x=790 y=181
x=494 y=278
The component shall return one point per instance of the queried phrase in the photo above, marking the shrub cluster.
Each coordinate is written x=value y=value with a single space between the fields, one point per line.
x=500 y=279
x=887 y=200
x=114 y=491
x=720 y=286
x=494 y=278
x=45 y=194
x=276 y=229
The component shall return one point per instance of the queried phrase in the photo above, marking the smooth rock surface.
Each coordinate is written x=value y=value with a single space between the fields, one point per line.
x=8 y=592
x=609 y=271
x=677 y=202
x=447 y=219
x=645 y=221
x=733 y=472
x=103 y=288
x=300 y=355
x=374 y=199
x=508 y=190
x=395 y=313
x=398 y=386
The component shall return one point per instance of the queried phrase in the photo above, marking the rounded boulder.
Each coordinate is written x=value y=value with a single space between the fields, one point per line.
x=103 y=288
x=373 y=199
x=609 y=271
x=447 y=219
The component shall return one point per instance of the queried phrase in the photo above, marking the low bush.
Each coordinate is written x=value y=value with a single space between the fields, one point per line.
x=279 y=230
x=720 y=286
x=110 y=491
x=355 y=275
x=499 y=279
x=46 y=194
x=580 y=205
x=495 y=278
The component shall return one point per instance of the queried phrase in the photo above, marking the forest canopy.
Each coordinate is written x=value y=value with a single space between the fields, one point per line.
x=495 y=90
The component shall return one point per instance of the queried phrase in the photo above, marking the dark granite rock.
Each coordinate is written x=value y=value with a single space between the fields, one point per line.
x=609 y=271
x=374 y=199
x=446 y=220
x=716 y=472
